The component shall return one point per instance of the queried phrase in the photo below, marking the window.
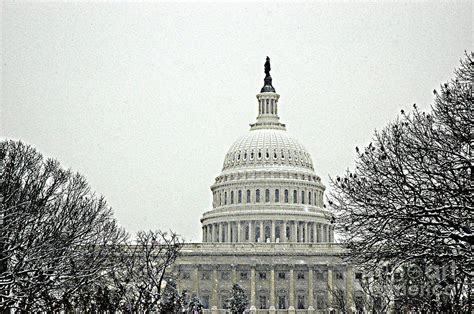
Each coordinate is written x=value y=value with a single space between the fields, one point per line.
x=321 y=300
x=244 y=275
x=281 y=275
x=239 y=197
x=257 y=196
x=277 y=232
x=286 y=196
x=225 y=275
x=358 y=275
x=295 y=196
x=277 y=195
x=309 y=198
x=339 y=275
x=232 y=197
x=262 y=276
x=259 y=155
x=300 y=275
x=281 y=302
x=205 y=301
x=302 y=197
x=320 y=275
x=205 y=275
x=247 y=232
x=248 y=196
x=225 y=198
x=263 y=301
x=301 y=302
x=267 y=195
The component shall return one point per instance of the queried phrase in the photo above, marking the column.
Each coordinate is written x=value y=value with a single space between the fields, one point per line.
x=306 y=232
x=300 y=228
x=229 y=232
x=252 y=228
x=214 y=296
x=272 y=287
x=196 y=281
x=220 y=233
x=330 y=288
x=315 y=232
x=239 y=231
x=234 y=274
x=253 y=286
x=283 y=232
x=310 y=288
x=292 y=290
x=295 y=231
x=272 y=232
x=349 y=287
x=262 y=232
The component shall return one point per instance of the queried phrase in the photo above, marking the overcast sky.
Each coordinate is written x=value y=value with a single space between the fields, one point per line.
x=145 y=99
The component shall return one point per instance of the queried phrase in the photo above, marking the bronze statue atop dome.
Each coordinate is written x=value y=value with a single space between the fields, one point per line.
x=267 y=67
x=267 y=87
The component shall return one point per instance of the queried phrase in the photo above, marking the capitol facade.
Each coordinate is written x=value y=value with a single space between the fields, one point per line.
x=268 y=229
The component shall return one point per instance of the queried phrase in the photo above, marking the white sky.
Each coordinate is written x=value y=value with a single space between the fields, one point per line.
x=144 y=99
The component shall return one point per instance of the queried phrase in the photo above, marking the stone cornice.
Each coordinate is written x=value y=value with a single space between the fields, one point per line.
x=262 y=249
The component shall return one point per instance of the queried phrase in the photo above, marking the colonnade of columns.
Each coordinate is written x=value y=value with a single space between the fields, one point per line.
x=293 y=287
x=269 y=231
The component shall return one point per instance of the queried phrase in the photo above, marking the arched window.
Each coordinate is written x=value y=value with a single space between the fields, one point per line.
x=232 y=197
x=267 y=195
x=248 y=196
x=277 y=196
x=309 y=198
x=286 y=196
x=295 y=197
x=257 y=196
x=225 y=198
x=239 y=197
x=302 y=197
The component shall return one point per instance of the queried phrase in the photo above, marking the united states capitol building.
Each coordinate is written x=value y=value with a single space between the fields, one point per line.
x=268 y=229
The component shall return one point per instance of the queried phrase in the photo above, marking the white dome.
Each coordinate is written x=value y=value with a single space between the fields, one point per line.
x=267 y=148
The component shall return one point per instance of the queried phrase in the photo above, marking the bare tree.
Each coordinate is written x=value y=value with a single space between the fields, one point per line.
x=56 y=235
x=141 y=268
x=409 y=198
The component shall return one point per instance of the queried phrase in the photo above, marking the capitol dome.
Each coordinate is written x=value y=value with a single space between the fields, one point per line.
x=267 y=148
x=267 y=190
